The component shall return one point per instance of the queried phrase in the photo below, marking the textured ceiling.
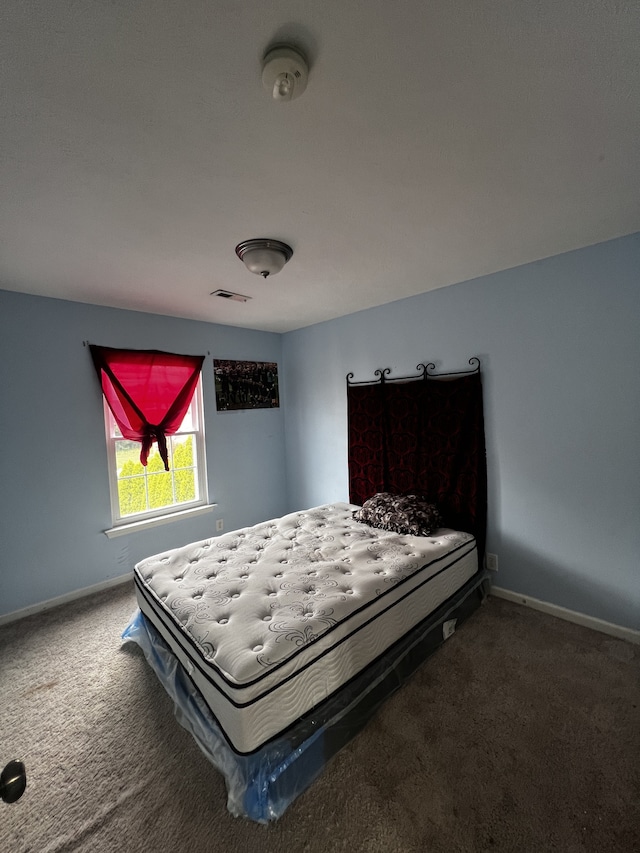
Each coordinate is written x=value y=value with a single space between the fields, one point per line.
x=435 y=142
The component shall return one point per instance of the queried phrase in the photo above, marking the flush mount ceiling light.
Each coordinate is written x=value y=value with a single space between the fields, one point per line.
x=284 y=73
x=264 y=256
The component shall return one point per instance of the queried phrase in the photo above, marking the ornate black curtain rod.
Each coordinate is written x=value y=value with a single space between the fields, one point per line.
x=383 y=375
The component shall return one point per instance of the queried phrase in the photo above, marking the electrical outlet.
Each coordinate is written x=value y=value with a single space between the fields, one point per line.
x=492 y=562
x=219 y=525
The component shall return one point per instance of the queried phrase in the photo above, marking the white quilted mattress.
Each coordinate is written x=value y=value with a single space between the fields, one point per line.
x=271 y=619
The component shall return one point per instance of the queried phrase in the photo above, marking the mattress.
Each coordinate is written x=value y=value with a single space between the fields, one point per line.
x=270 y=620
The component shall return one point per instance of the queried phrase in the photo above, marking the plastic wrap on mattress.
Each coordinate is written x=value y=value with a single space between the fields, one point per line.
x=260 y=786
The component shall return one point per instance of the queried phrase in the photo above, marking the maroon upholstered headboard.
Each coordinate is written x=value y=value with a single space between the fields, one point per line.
x=422 y=435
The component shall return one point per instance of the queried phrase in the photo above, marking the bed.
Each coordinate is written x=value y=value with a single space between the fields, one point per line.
x=277 y=642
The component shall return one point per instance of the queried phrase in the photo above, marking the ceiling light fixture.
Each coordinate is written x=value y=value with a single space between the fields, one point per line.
x=264 y=256
x=284 y=73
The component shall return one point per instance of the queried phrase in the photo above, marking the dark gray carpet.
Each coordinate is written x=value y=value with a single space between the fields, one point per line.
x=522 y=733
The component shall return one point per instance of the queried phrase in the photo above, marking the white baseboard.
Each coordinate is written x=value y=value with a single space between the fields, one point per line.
x=619 y=631
x=63 y=599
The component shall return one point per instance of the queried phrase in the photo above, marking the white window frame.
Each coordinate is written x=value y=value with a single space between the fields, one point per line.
x=149 y=518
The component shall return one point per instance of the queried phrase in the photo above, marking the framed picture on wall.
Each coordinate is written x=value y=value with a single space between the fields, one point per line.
x=246 y=385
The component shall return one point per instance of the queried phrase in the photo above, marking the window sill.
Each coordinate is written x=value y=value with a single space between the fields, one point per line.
x=147 y=523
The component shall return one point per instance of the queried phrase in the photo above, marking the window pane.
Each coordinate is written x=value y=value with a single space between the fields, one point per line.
x=128 y=458
x=182 y=450
x=160 y=489
x=155 y=463
x=132 y=495
x=185 y=485
x=188 y=424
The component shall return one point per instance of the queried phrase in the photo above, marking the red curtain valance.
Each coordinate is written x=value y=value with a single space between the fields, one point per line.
x=148 y=392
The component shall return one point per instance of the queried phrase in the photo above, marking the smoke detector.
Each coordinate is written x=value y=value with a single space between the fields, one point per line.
x=284 y=73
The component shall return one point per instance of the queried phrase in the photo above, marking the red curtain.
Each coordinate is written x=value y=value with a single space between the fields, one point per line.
x=148 y=392
x=427 y=437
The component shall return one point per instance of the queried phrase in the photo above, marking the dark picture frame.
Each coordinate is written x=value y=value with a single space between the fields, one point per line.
x=246 y=385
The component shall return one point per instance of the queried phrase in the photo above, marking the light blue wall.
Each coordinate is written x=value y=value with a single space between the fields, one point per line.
x=54 y=494
x=559 y=342
x=560 y=346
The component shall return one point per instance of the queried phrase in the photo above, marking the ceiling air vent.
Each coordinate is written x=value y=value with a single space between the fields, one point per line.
x=227 y=294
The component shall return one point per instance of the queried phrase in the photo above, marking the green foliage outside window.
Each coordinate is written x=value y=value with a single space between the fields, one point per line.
x=160 y=484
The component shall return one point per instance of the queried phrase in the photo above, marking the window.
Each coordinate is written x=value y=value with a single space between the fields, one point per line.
x=139 y=493
x=153 y=404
